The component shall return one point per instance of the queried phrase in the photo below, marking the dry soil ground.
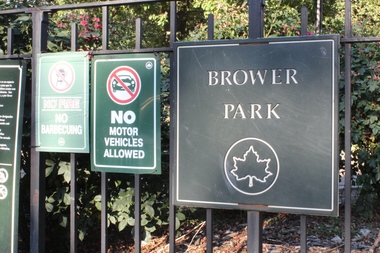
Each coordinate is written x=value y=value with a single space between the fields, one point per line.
x=281 y=233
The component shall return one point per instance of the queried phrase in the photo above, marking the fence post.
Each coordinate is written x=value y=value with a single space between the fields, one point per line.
x=37 y=173
x=255 y=223
x=304 y=14
x=138 y=45
x=209 y=214
x=254 y=232
x=303 y=220
x=172 y=208
x=347 y=129
x=256 y=18
x=10 y=41
x=73 y=170
x=104 y=192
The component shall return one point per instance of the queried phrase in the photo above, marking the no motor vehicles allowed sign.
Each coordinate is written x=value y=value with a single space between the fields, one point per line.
x=125 y=114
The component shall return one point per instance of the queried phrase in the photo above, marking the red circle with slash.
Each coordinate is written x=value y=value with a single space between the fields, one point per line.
x=123 y=85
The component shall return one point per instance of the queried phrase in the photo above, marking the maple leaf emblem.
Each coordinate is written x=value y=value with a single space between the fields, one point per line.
x=251 y=167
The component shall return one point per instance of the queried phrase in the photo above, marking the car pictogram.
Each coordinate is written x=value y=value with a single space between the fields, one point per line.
x=128 y=80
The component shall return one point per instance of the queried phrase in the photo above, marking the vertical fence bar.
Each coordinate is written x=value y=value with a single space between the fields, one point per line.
x=104 y=192
x=303 y=227
x=209 y=232
x=209 y=215
x=303 y=230
x=137 y=176
x=137 y=214
x=256 y=30
x=254 y=232
x=347 y=129
x=37 y=171
x=256 y=18
x=105 y=32
x=103 y=232
x=10 y=39
x=210 y=25
x=172 y=208
x=74 y=37
x=73 y=170
x=73 y=204
x=304 y=17
x=138 y=33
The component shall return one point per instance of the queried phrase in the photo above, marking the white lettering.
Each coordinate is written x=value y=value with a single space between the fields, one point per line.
x=61 y=118
x=212 y=78
x=225 y=75
x=258 y=73
x=251 y=76
x=119 y=117
x=276 y=76
x=255 y=111
x=235 y=79
x=124 y=153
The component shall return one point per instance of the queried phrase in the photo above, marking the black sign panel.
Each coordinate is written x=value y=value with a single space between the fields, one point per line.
x=256 y=125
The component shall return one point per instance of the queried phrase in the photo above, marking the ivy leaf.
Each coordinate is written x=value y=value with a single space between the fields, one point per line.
x=131 y=221
x=373 y=86
x=148 y=236
x=112 y=219
x=63 y=222
x=149 y=210
x=122 y=225
x=24 y=18
x=48 y=171
x=81 y=235
x=49 y=207
x=66 y=199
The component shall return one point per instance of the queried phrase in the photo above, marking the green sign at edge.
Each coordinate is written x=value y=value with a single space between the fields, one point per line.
x=12 y=92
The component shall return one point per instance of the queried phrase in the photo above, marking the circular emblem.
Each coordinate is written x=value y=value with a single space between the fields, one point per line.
x=3 y=192
x=61 y=141
x=123 y=85
x=61 y=77
x=251 y=166
x=148 y=65
x=3 y=175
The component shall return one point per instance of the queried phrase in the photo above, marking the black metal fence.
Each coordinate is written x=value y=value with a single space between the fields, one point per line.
x=40 y=18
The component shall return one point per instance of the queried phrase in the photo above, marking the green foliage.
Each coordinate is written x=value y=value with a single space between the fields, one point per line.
x=231 y=20
x=366 y=124
x=281 y=20
x=89 y=30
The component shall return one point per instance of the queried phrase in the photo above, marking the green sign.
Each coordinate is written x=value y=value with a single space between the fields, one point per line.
x=126 y=114
x=62 y=102
x=256 y=125
x=12 y=83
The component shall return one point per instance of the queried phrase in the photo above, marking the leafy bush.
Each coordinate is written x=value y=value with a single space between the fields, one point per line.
x=365 y=124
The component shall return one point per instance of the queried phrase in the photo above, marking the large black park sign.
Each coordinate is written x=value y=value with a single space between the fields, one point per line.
x=256 y=125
